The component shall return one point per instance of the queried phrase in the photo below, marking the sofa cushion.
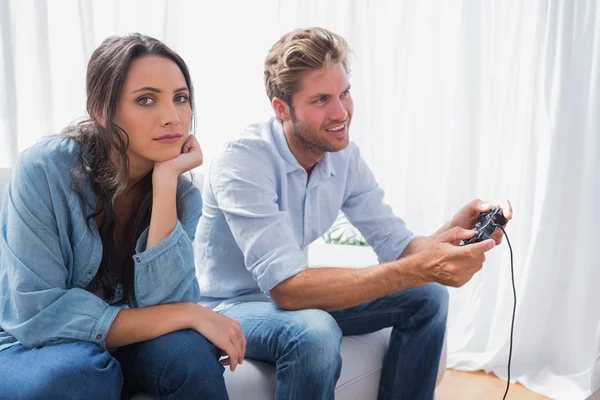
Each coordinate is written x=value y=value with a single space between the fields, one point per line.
x=359 y=379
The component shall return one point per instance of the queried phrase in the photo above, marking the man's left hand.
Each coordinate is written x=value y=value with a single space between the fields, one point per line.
x=467 y=216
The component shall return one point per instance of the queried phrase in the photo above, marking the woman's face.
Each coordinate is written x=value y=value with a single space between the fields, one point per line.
x=154 y=109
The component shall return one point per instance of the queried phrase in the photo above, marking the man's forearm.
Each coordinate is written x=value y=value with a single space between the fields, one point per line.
x=331 y=289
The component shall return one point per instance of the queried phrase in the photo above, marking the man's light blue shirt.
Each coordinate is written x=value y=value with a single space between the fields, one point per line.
x=261 y=212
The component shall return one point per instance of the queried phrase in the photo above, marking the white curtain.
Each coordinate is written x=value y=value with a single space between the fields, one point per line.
x=453 y=100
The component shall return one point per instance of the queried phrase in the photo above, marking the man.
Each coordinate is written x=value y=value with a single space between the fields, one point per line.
x=272 y=192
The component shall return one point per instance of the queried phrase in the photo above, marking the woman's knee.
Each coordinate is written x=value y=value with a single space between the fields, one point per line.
x=191 y=365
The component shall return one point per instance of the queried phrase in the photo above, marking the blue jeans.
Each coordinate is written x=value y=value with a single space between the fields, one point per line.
x=305 y=345
x=179 y=365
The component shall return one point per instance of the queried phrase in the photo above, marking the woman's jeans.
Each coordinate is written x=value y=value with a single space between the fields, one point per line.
x=178 y=365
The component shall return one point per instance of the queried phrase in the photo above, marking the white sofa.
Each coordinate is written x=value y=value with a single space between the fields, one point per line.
x=362 y=355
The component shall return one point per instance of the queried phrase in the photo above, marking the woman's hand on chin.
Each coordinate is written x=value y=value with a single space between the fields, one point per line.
x=189 y=158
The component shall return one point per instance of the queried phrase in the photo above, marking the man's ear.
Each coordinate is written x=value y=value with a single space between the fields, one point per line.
x=281 y=108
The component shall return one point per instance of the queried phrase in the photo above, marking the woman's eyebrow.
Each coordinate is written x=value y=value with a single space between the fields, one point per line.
x=156 y=90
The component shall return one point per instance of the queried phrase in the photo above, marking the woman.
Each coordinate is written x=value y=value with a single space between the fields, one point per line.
x=97 y=281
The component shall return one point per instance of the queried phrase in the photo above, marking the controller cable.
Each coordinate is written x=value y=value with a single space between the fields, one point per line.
x=512 y=325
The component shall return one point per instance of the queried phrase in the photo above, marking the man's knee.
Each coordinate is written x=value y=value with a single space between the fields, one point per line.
x=435 y=301
x=317 y=337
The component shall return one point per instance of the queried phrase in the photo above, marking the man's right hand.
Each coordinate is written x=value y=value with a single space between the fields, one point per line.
x=452 y=265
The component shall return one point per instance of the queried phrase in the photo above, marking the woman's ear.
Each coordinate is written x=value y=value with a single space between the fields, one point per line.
x=281 y=108
x=100 y=119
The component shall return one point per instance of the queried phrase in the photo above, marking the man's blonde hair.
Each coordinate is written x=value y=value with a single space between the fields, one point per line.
x=297 y=52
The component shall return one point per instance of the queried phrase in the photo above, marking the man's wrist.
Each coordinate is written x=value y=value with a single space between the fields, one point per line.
x=411 y=270
x=416 y=245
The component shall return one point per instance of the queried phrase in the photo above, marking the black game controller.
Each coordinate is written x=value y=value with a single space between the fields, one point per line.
x=486 y=224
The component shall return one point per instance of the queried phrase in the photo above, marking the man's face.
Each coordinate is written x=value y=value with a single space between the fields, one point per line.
x=321 y=111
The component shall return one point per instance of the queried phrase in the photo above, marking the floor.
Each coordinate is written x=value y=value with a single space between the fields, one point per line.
x=459 y=385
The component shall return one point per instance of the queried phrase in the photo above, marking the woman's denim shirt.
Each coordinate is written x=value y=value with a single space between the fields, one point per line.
x=50 y=251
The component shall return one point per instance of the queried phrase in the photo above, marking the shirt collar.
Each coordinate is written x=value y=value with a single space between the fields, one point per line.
x=291 y=164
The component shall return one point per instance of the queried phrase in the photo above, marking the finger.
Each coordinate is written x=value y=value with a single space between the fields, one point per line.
x=472 y=208
x=456 y=234
x=196 y=149
x=484 y=206
x=242 y=340
x=186 y=145
x=476 y=249
x=193 y=143
x=243 y=352
x=239 y=347
x=497 y=236
x=225 y=361
x=504 y=205
x=506 y=209
x=469 y=271
x=233 y=356
x=468 y=275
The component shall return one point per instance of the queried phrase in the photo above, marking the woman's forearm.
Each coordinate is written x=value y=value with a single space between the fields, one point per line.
x=164 y=207
x=133 y=325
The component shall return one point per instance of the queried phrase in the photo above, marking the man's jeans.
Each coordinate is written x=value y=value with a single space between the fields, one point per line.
x=179 y=365
x=305 y=345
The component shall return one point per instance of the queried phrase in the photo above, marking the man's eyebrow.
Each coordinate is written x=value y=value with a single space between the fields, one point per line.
x=319 y=95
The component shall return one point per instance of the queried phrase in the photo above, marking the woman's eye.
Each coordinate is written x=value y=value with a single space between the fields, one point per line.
x=182 y=98
x=144 y=101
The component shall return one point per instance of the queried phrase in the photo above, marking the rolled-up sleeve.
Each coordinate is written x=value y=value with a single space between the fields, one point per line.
x=244 y=183
x=37 y=307
x=165 y=273
x=364 y=207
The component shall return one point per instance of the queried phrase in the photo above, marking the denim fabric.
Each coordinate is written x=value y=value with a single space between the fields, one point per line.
x=179 y=365
x=305 y=345
x=49 y=253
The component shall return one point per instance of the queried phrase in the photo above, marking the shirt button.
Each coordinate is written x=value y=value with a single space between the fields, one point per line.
x=98 y=337
x=137 y=259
